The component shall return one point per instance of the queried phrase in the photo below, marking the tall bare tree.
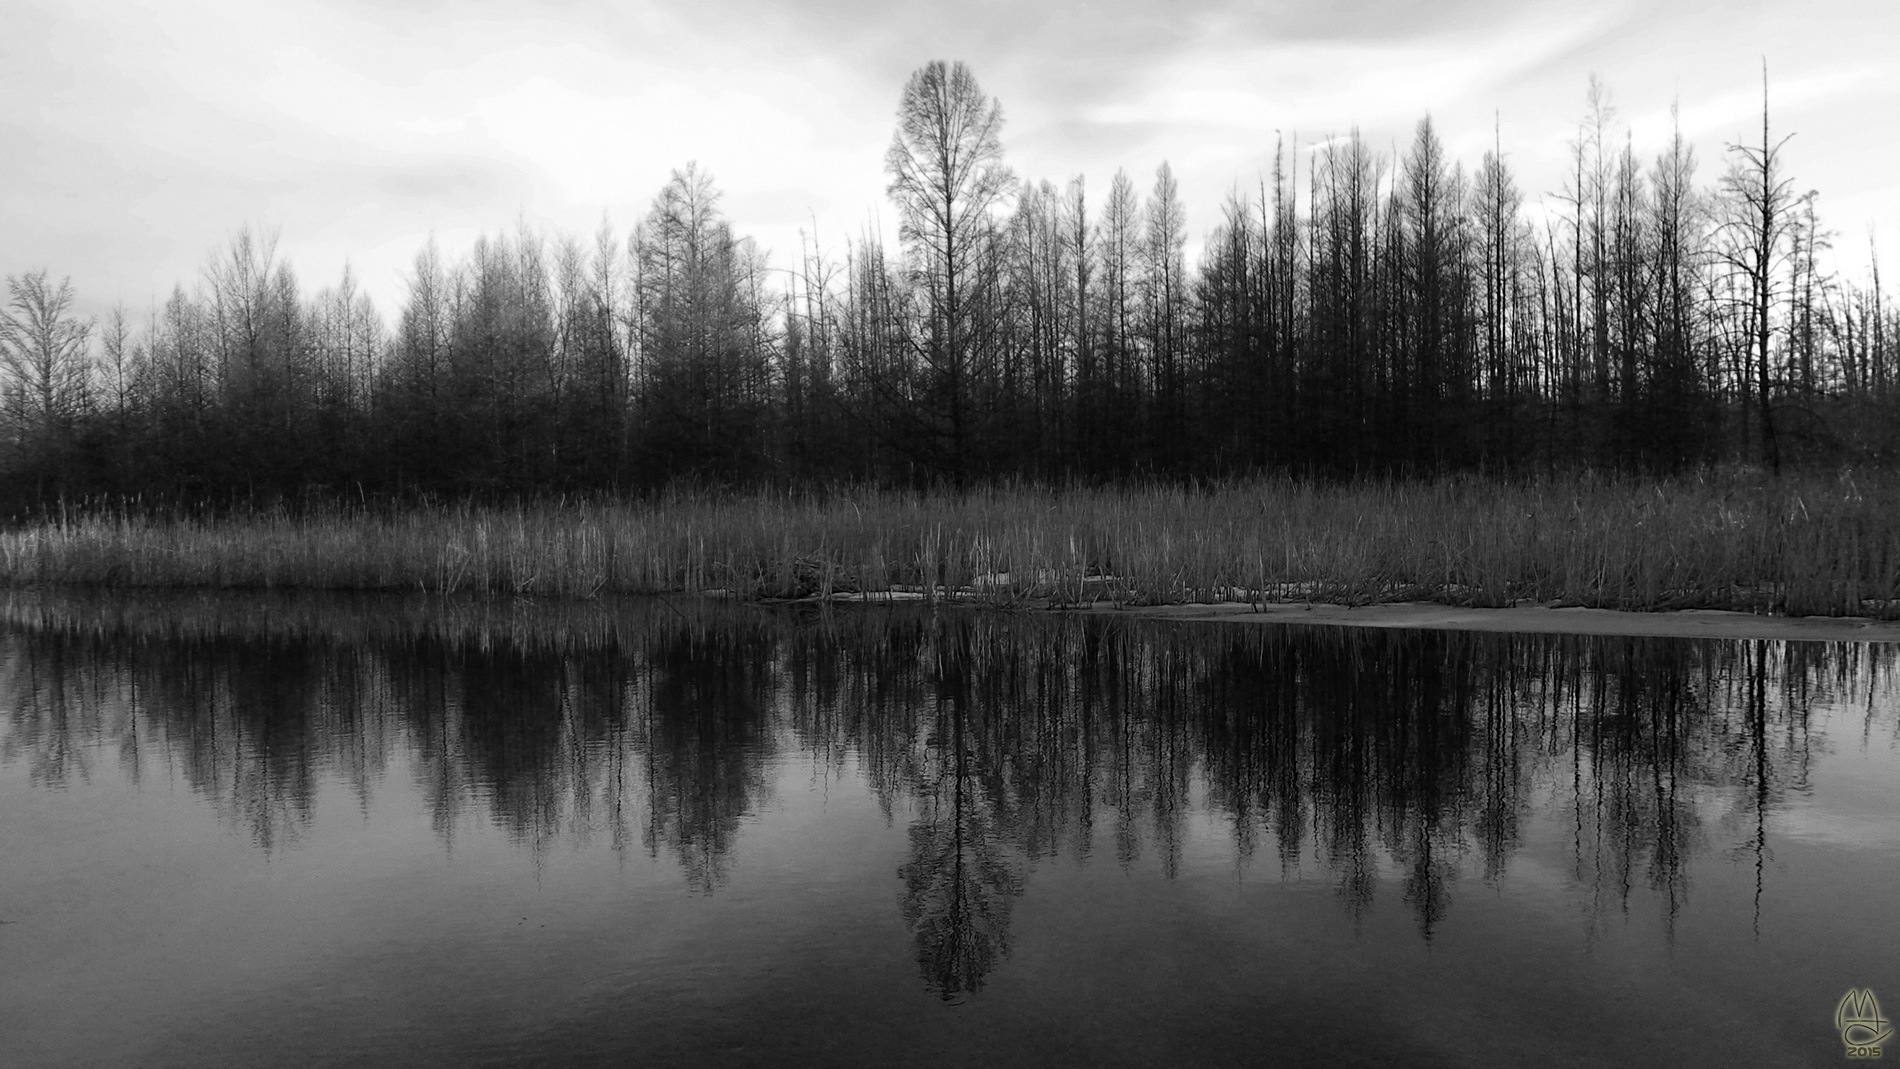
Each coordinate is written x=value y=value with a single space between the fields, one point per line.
x=1118 y=245
x=1761 y=211
x=1678 y=262
x=1165 y=300
x=43 y=347
x=703 y=367
x=948 y=179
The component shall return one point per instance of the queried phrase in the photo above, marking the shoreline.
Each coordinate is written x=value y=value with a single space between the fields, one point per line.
x=1801 y=546
x=1718 y=624
x=1678 y=623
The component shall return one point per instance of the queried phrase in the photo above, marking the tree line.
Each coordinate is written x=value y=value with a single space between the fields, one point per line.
x=1356 y=313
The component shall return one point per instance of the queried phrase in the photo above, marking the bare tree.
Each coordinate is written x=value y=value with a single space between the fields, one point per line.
x=1118 y=245
x=704 y=365
x=947 y=179
x=254 y=368
x=43 y=348
x=118 y=364
x=1594 y=197
x=1166 y=297
x=1496 y=203
x=346 y=338
x=1678 y=263
x=1079 y=249
x=1435 y=347
x=1760 y=212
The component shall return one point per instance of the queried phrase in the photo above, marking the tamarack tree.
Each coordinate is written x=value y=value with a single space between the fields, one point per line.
x=1357 y=314
x=947 y=179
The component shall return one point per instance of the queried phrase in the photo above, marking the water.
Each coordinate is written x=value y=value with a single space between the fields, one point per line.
x=298 y=831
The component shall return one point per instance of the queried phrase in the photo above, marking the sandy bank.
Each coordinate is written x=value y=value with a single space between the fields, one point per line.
x=1693 y=623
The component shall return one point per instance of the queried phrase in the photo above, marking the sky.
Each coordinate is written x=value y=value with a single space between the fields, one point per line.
x=137 y=138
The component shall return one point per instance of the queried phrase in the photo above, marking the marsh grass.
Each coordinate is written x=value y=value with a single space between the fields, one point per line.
x=1805 y=545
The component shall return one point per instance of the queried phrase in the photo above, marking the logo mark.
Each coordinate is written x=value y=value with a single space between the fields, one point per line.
x=1862 y=1026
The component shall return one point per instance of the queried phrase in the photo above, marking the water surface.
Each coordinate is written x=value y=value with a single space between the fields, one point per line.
x=303 y=831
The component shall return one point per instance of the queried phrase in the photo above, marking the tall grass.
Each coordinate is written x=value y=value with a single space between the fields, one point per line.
x=1814 y=544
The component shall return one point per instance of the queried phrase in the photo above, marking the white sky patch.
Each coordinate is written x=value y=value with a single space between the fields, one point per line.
x=1318 y=86
x=1738 y=112
x=1315 y=148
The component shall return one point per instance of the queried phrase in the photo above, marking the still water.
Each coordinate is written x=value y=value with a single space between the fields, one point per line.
x=301 y=831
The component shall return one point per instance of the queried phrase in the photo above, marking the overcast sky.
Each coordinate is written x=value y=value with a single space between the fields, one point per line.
x=136 y=137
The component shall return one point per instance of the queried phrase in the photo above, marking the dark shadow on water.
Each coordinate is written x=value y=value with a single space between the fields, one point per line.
x=1389 y=759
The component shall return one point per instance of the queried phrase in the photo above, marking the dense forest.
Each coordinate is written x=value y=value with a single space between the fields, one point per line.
x=1355 y=314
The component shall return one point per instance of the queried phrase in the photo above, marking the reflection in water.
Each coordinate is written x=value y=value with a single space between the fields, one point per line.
x=1413 y=758
x=960 y=877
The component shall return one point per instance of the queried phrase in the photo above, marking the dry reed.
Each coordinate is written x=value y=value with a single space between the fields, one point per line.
x=1814 y=544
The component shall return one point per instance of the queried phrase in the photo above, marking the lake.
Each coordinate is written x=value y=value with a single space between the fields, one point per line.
x=311 y=831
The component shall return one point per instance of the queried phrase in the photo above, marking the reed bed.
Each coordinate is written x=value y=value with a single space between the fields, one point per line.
x=1811 y=544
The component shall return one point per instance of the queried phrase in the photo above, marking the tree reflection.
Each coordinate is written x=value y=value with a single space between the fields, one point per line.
x=959 y=880
x=702 y=730
x=1386 y=762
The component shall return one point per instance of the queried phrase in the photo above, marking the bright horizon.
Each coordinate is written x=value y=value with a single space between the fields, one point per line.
x=141 y=138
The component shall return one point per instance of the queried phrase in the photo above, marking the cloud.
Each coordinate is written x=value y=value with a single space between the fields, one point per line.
x=475 y=181
x=1738 y=111
x=138 y=134
x=1324 y=85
